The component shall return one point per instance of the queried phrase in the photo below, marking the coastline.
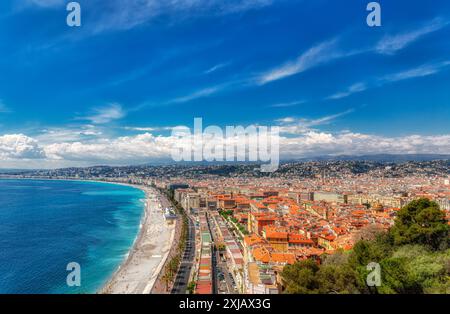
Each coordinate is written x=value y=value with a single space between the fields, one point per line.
x=138 y=271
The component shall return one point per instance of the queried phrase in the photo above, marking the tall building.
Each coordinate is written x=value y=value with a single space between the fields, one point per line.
x=330 y=197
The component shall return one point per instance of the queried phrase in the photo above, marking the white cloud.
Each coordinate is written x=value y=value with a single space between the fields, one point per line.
x=328 y=51
x=140 y=129
x=19 y=146
x=18 y=150
x=355 y=88
x=286 y=120
x=287 y=104
x=291 y=125
x=315 y=143
x=315 y=56
x=198 y=94
x=105 y=114
x=321 y=54
x=68 y=134
x=216 y=67
x=417 y=72
x=129 y=149
x=391 y=44
x=420 y=71
x=147 y=129
x=123 y=15
x=42 y=3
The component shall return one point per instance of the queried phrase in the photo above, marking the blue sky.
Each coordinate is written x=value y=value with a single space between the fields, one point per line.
x=135 y=69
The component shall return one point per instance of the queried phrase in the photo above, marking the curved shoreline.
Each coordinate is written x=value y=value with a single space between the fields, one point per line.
x=139 y=260
x=136 y=239
x=140 y=267
x=138 y=272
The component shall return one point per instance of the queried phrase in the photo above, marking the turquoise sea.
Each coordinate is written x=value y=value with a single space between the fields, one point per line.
x=45 y=225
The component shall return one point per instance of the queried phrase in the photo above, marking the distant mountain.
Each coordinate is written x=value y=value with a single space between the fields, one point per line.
x=379 y=158
x=382 y=158
x=9 y=171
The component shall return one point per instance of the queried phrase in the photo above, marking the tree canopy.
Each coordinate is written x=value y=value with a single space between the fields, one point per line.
x=421 y=222
x=414 y=257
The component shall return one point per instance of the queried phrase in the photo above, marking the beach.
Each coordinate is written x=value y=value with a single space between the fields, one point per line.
x=138 y=273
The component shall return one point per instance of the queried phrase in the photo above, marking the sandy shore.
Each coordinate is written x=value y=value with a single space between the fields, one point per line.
x=139 y=271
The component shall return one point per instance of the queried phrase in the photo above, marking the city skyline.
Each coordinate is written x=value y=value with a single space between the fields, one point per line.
x=111 y=91
x=245 y=232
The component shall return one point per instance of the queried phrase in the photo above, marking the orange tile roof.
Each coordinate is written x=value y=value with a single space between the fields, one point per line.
x=299 y=239
x=253 y=239
x=287 y=258
x=261 y=254
x=276 y=235
x=358 y=213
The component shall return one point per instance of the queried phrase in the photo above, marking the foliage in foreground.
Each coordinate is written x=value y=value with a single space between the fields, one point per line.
x=414 y=257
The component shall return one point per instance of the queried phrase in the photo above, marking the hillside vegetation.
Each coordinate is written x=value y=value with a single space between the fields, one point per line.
x=414 y=258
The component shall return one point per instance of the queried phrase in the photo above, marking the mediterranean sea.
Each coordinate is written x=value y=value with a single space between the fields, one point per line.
x=45 y=225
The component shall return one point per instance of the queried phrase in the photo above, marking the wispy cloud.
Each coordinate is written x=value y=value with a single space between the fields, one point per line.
x=105 y=114
x=123 y=15
x=355 y=88
x=317 y=55
x=417 y=72
x=217 y=67
x=287 y=104
x=147 y=129
x=140 y=129
x=41 y=3
x=391 y=44
x=327 y=119
x=420 y=71
x=207 y=91
x=197 y=94
x=70 y=133
x=293 y=125
x=329 y=51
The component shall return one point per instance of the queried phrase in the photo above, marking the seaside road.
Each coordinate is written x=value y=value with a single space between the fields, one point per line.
x=182 y=278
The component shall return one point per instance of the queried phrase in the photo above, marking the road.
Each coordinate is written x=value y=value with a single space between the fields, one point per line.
x=222 y=278
x=182 y=278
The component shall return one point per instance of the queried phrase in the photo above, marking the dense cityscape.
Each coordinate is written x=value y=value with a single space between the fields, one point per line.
x=249 y=226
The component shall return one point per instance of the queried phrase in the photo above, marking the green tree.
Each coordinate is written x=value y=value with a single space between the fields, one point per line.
x=396 y=279
x=414 y=258
x=337 y=279
x=430 y=269
x=191 y=287
x=365 y=252
x=300 y=278
x=421 y=222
